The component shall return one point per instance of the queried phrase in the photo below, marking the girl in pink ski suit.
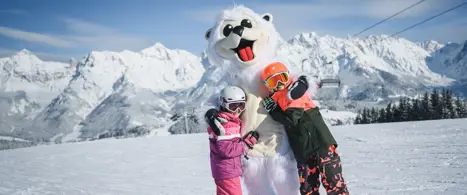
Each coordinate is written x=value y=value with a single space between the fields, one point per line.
x=226 y=143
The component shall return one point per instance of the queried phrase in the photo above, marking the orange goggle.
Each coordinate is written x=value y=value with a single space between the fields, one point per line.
x=273 y=80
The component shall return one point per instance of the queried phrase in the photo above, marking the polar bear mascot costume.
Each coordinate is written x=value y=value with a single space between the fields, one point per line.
x=245 y=42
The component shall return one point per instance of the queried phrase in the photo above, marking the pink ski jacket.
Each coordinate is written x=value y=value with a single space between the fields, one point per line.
x=226 y=150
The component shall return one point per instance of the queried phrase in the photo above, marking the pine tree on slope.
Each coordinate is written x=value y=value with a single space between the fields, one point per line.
x=374 y=115
x=442 y=102
x=389 y=113
x=450 y=105
x=461 y=110
x=365 y=116
x=425 y=108
x=403 y=109
x=358 y=119
x=382 y=116
x=415 y=110
x=435 y=105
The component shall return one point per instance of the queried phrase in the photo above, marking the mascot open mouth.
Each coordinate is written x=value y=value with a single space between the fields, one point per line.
x=245 y=50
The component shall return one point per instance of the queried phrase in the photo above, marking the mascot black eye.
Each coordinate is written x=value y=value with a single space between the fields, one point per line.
x=227 y=30
x=246 y=23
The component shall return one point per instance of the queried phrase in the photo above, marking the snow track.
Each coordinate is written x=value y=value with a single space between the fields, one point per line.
x=399 y=158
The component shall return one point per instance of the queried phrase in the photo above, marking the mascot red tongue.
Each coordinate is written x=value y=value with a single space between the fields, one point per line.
x=245 y=54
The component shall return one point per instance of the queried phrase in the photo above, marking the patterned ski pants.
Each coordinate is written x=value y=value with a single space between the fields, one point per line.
x=328 y=165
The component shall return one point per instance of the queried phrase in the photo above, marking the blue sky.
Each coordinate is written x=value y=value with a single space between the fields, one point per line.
x=60 y=29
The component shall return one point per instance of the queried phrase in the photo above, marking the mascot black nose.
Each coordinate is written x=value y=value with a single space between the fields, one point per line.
x=238 y=30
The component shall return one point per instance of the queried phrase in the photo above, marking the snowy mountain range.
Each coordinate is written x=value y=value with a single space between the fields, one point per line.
x=108 y=94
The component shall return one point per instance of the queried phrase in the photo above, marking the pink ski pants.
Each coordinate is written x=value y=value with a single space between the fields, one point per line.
x=230 y=186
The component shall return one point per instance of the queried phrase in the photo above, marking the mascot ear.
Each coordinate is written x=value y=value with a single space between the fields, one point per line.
x=267 y=17
x=208 y=34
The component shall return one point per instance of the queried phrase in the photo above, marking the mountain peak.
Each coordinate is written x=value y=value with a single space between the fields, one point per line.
x=158 y=45
x=430 y=45
x=304 y=38
x=156 y=48
x=308 y=35
x=73 y=62
x=25 y=56
x=24 y=52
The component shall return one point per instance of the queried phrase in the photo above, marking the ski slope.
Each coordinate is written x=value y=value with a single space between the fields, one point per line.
x=400 y=158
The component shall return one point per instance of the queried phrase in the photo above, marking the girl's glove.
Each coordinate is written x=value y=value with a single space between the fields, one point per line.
x=215 y=122
x=297 y=89
x=269 y=104
x=250 y=139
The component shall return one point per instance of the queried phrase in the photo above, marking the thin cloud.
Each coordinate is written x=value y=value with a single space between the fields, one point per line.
x=86 y=28
x=35 y=37
x=81 y=34
x=99 y=37
x=111 y=42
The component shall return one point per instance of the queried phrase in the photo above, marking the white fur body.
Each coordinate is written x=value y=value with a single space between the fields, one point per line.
x=276 y=174
x=271 y=168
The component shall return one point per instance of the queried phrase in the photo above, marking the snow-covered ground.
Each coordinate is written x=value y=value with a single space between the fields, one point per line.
x=399 y=158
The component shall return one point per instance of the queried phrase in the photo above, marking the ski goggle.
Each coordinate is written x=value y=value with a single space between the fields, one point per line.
x=273 y=80
x=234 y=106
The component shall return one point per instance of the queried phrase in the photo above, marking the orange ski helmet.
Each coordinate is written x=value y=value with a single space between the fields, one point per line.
x=275 y=73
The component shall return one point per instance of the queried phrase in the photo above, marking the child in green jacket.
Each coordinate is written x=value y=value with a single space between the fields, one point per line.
x=312 y=142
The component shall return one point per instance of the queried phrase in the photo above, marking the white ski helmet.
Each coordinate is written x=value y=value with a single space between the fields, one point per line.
x=232 y=98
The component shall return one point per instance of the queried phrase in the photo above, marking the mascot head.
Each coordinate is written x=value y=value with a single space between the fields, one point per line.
x=241 y=37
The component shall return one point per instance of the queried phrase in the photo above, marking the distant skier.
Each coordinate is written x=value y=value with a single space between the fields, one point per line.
x=312 y=143
x=226 y=143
